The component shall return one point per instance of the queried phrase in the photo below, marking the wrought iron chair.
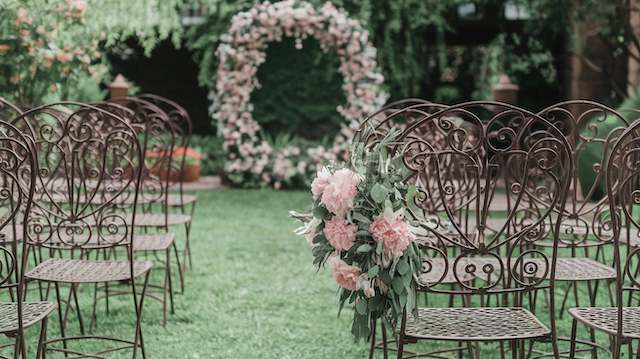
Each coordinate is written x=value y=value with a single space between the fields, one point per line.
x=95 y=155
x=486 y=262
x=18 y=169
x=621 y=321
x=398 y=116
x=157 y=138
x=183 y=127
x=584 y=226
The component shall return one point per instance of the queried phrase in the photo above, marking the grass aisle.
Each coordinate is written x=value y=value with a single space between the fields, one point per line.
x=253 y=292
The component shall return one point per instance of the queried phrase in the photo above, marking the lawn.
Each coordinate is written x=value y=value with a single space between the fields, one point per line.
x=252 y=293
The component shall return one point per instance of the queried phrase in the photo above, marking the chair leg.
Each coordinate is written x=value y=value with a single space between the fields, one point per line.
x=42 y=345
x=170 y=288
x=401 y=336
x=574 y=330
x=60 y=316
x=165 y=286
x=373 y=338
x=138 y=340
x=187 y=248
x=617 y=347
x=385 y=351
x=180 y=271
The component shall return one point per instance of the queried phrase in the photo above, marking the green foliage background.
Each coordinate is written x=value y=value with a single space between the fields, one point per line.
x=414 y=55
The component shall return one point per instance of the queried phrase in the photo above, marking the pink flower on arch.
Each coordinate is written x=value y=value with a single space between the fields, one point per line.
x=340 y=234
x=391 y=229
x=346 y=276
x=339 y=193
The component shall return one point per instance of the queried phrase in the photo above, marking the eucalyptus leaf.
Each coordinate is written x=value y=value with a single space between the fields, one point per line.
x=379 y=193
x=364 y=248
x=403 y=267
x=361 y=306
x=360 y=218
x=398 y=285
x=373 y=271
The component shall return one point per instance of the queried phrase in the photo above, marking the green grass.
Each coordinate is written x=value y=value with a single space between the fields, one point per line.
x=252 y=293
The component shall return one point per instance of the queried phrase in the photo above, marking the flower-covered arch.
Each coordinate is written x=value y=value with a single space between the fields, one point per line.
x=251 y=160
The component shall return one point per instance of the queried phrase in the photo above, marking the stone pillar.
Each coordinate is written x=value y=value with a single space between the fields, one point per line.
x=119 y=87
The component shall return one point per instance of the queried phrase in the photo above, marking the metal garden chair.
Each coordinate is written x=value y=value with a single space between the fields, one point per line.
x=622 y=321
x=18 y=169
x=95 y=158
x=486 y=262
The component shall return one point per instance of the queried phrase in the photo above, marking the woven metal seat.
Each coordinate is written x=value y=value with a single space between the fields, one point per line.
x=581 y=269
x=87 y=271
x=153 y=241
x=474 y=324
x=606 y=319
x=32 y=313
x=158 y=219
x=174 y=199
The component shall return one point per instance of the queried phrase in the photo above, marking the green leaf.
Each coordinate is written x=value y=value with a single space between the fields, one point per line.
x=373 y=271
x=360 y=217
x=411 y=300
x=379 y=193
x=361 y=306
x=320 y=212
x=403 y=267
x=364 y=248
x=398 y=285
x=384 y=276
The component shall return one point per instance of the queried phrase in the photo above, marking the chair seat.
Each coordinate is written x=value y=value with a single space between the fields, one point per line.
x=606 y=319
x=474 y=324
x=158 y=219
x=174 y=199
x=581 y=269
x=153 y=241
x=32 y=313
x=87 y=271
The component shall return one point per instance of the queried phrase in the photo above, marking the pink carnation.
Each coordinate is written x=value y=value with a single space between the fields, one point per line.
x=320 y=182
x=340 y=234
x=391 y=229
x=339 y=193
x=345 y=275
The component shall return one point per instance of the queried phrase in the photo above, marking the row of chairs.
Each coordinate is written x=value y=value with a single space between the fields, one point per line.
x=509 y=231
x=88 y=213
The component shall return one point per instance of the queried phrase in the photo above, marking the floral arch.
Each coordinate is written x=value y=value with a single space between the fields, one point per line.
x=251 y=160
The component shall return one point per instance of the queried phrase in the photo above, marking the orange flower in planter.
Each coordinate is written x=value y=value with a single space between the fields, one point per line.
x=191 y=170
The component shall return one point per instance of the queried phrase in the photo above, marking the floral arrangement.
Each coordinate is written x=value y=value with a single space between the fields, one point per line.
x=357 y=226
x=251 y=160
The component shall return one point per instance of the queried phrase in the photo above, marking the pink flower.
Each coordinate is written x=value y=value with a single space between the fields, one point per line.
x=391 y=229
x=345 y=275
x=369 y=292
x=320 y=182
x=340 y=234
x=22 y=17
x=338 y=195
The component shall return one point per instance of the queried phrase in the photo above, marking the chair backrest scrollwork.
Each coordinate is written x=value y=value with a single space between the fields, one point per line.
x=484 y=159
x=89 y=171
x=591 y=129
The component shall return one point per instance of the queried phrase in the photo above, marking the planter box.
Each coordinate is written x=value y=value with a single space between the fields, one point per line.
x=190 y=173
